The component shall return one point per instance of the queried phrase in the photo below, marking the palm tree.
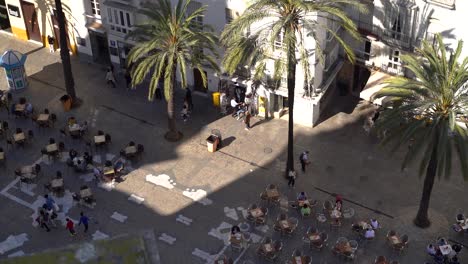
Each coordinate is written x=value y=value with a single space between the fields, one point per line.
x=267 y=21
x=425 y=114
x=64 y=52
x=167 y=42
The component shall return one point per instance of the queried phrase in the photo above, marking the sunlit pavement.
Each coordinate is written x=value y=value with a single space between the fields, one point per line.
x=191 y=197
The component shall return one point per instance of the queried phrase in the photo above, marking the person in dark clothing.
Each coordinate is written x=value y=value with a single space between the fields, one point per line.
x=188 y=98
x=51 y=42
x=42 y=219
x=304 y=159
x=85 y=221
x=128 y=78
x=247 y=120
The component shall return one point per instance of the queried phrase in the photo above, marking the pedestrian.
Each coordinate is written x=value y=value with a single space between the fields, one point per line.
x=70 y=226
x=84 y=220
x=110 y=79
x=184 y=113
x=128 y=78
x=247 y=120
x=51 y=42
x=292 y=178
x=42 y=219
x=50 y=203
x=188 y=98
x=158 y=93
x=304 y=159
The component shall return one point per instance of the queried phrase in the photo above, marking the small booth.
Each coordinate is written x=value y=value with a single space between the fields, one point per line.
x=13 y=62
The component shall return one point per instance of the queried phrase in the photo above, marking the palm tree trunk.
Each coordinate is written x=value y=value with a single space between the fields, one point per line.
x=291 y=60
x=64 y=52
x=422 y=218
x=172 y=134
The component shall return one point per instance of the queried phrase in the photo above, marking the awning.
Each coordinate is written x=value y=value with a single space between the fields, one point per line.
x=96 y=27
x=375 y=84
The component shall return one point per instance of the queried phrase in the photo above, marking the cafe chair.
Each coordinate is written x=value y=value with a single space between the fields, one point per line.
x=46 y=111
x=140 y=148
x=61 y=146
x=108 y=138
x=30 y=134
x=100 y=133
x=18 y=130
x=53 y=118
x=9 y=143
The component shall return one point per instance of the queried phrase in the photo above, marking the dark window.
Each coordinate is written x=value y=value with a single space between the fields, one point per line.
x=122 y=21
x=113 y=51
x=128 y=20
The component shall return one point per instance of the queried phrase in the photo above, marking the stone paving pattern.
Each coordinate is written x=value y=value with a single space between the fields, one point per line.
x=191 y=197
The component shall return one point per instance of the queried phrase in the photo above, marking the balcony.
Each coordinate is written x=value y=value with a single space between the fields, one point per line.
x=388 y=36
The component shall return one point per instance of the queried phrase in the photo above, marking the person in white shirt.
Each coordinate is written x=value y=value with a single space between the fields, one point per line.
x=374 y=223
x=370 y=233
x=110 y=78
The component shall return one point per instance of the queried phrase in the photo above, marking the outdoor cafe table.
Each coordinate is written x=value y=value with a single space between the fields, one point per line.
x=272 y=193
x=394 y=240
x=20 y=107
x=267 y=248
x=85 y=193
x=314 y=237
x=56 y=183
x=298 y=260
x=43 y=118
x=130 y=150
x=344 y=247
x=26 y=170
x=19 y=137
x=99 y=139
x=52 y=148
x=445 y=249
x=284 y=224
x=464 y=225
x=257 y=212
x=74 y=128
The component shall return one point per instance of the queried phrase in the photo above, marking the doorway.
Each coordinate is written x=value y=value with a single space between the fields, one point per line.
x=30 y=21
x=198 y=81
x=100 y=47
x=56 y=26
x=4 y=20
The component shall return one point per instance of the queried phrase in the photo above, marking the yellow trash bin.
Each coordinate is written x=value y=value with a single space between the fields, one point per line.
x=212 y=143
x=216 y=99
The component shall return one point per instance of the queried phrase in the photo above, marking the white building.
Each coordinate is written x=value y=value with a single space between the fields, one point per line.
x=396 y=27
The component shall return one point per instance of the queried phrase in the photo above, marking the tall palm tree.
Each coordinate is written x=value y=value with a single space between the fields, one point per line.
x=426 y=113
x=64 y=52
x=250 y=40
x=167 y=42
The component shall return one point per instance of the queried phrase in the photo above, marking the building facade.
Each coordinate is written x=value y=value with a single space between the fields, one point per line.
x=393 y=28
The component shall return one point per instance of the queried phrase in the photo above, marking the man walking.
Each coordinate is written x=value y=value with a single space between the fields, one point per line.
x=110 y=77
x=304 y=159
x=70 y=226
x=292 y=178
x=42 y=219
x=247 y=120
x=84 y=220
x=51 y=42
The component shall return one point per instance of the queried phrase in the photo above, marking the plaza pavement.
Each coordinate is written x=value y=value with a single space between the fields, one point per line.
x=192 y=227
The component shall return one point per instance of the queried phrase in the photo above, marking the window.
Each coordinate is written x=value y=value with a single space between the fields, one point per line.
x=95 y=7
x=198 y=21
x=119 y=20
x=394 y=59
x=397 y=21
x=229 y=15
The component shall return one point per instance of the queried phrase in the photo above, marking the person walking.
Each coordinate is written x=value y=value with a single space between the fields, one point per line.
x=292 y=178
x=247 y=120
x=84 y=220
x=51 y=42
x=70 y=226
x=128 y=78
x=110 y=79
x=42 y=219
x=188 y=98
x=304 y=159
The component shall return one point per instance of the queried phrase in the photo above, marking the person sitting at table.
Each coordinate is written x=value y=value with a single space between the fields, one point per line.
x=338 y=205
x=302 y=196
x=88 y=159
x=51 y=141
x=19 y=130
x=100 y=133
x=454 y=260
x=28 y=109
x=22 y=100
x=369 y=234
x=131 y=144
x=79 y=166
x=374 y=223
x=441 y=241
x=119 y=165
x=235 y=229
x=58 y=175
x=71 y=121
x=97 y=173
x=305 y=210
x=83 y=128
x=72 y=157
x=431 y=250
x=460 y=219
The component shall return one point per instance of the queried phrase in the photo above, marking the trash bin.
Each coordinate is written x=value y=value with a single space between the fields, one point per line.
x=212 y=143
x=217 y=133
x=216 y=99
x=66 y=102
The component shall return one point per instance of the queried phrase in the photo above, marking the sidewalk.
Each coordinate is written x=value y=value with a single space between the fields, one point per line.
x=193 y=196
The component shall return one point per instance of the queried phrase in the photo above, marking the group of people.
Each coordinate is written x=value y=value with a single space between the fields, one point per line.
x=48 y=215
x=434 y=250
x=79 y=164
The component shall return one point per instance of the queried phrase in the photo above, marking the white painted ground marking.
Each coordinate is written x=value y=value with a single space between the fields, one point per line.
x=197 y=196
x=184 y=220
x=136 y=199
x=97 y=159
x=28 y=189
x=221 y=232
x=19 y=253
x=87 y=177
x=243 y=211
x=108 y=186
x=110 y=156
x=167 y=238
x=13 y=242
x=98 y=235
x=119 y=217
x=5 y=193
x=231 y=213
x=162 y=180
x=85 y=252
x=204 y=255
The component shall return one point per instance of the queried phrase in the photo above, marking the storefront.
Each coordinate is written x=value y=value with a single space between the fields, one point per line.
x=4 y=19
